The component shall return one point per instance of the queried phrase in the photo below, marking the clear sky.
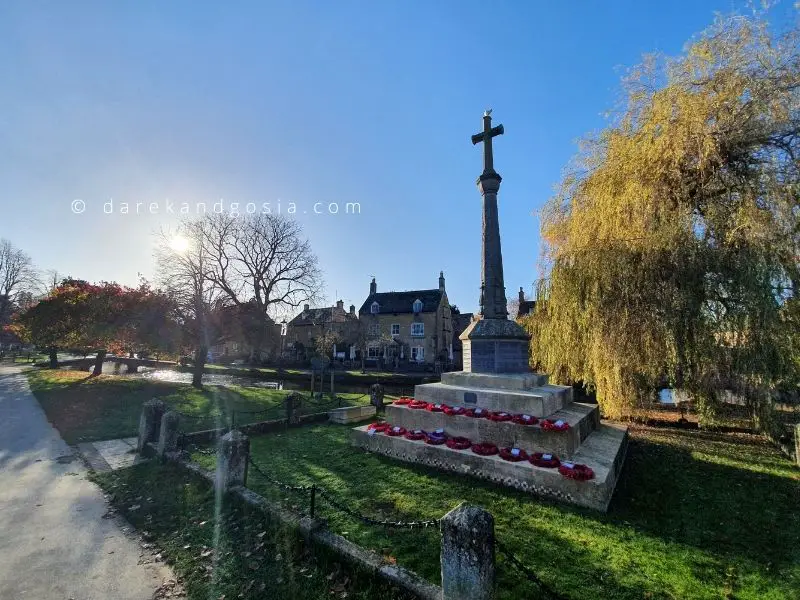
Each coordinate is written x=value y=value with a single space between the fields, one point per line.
x=307 y=102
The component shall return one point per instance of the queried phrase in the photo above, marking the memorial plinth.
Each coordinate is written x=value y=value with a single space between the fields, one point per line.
x=497 y=402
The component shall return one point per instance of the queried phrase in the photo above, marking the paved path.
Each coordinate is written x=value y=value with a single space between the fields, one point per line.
x=54 y=540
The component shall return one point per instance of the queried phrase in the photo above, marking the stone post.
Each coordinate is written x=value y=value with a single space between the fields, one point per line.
x=150 y=423
x=292 y=402
x=232 y=458
x=376 y=394
x=797 y=444
x=168 y=435
x=467 y=554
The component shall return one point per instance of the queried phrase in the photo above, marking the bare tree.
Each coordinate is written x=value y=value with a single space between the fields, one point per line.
x=18 y=277
x=263 y=260
x=183 y=272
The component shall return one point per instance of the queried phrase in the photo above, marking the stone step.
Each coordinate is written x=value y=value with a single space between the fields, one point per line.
x=541 y=401
x=604 y=455
x=582 y=419
x=507 y=381
x=351 y=414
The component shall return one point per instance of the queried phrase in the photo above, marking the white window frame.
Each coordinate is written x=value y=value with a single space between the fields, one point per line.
x=418 y=330
x=374 y=329
x=374 y=352
x=418 y=353
x=395 y=328
x=417 y=306
x=375 y=308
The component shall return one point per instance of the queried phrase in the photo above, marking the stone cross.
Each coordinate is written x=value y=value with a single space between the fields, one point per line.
x=493 y=291
x=486 y=137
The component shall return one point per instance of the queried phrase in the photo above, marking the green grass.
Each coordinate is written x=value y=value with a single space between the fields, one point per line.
x=697 y=515
x=229 y=550
x=85 y=409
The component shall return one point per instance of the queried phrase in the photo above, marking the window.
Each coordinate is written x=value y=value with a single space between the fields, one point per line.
x=418 y=353
x=417 y=306
x=374 y=352
x=395 y=328
x=418 y=329
x=375 y=308
x=374 y=329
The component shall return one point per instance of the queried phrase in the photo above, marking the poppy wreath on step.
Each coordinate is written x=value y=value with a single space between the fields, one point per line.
x=524 y=420
x=403 y=400
x=513 y=454
x=577 y=472
x=484 y=449
x=459 y=443
x=436 y=438
x=378 y=427
x=541 y=459
x=549 y=425
x=477 y=413
x=396 y=431
x=434 y=407
x=499 y=416
x=416 y=434
x=453 y=410
x=417 y=404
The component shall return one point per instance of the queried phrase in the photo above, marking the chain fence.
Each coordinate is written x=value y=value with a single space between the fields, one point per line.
x=527 y=571
x=315 y=490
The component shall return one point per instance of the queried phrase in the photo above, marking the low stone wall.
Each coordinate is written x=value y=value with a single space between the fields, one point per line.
x=352 y=414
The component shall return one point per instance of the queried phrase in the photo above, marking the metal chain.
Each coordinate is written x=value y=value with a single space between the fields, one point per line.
x=370 y=521
x=532 y=577
x=275 y=482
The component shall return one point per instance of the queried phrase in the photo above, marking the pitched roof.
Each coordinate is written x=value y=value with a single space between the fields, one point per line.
x=317 y=316
x=402 y=302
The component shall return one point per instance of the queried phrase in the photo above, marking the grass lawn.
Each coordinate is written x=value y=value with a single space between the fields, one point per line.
x=85 y=408
x=245 y=556
x=697 y=515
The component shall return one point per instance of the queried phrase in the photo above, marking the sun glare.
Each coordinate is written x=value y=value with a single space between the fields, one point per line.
x=179 y=244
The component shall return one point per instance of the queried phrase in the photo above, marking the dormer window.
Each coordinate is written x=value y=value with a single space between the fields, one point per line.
x=375 y=308
x=417 y=306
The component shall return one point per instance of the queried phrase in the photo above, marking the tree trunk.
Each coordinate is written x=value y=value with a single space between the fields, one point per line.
x=98 y=363
x=199 y=364
x=53 y=358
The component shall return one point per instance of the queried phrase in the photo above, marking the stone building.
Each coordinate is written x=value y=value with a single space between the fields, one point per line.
x=524 y=307
x=407 y=328
x=304 y=330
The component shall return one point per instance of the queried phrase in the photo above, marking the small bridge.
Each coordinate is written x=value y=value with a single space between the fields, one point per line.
x=132 y=364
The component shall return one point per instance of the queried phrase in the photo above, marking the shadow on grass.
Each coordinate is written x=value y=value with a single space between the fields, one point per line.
x=694 y=513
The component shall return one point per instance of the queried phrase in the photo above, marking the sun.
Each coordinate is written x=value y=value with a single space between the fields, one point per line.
x=179 y=244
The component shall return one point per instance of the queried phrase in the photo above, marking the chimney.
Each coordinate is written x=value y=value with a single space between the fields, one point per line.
x=306 y=308
x=521 y=295
x=353 y=309
x=340 y=304
x=373 y=287
x=441 y=281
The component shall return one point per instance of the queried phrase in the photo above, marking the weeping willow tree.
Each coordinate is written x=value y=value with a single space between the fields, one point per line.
x=672 y=244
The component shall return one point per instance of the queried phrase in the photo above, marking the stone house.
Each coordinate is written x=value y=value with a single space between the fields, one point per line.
x=303 y=331
x=407 y=328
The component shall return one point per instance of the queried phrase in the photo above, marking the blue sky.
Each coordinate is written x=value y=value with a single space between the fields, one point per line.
x=306 y=102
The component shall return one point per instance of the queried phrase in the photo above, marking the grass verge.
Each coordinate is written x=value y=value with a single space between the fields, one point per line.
x=222 y=548
x=697 y=515
x=85 y=408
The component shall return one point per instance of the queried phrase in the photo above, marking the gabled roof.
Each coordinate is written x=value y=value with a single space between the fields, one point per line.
x=402 y=302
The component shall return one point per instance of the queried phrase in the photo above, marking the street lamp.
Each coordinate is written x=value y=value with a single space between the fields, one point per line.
x=283 y=336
